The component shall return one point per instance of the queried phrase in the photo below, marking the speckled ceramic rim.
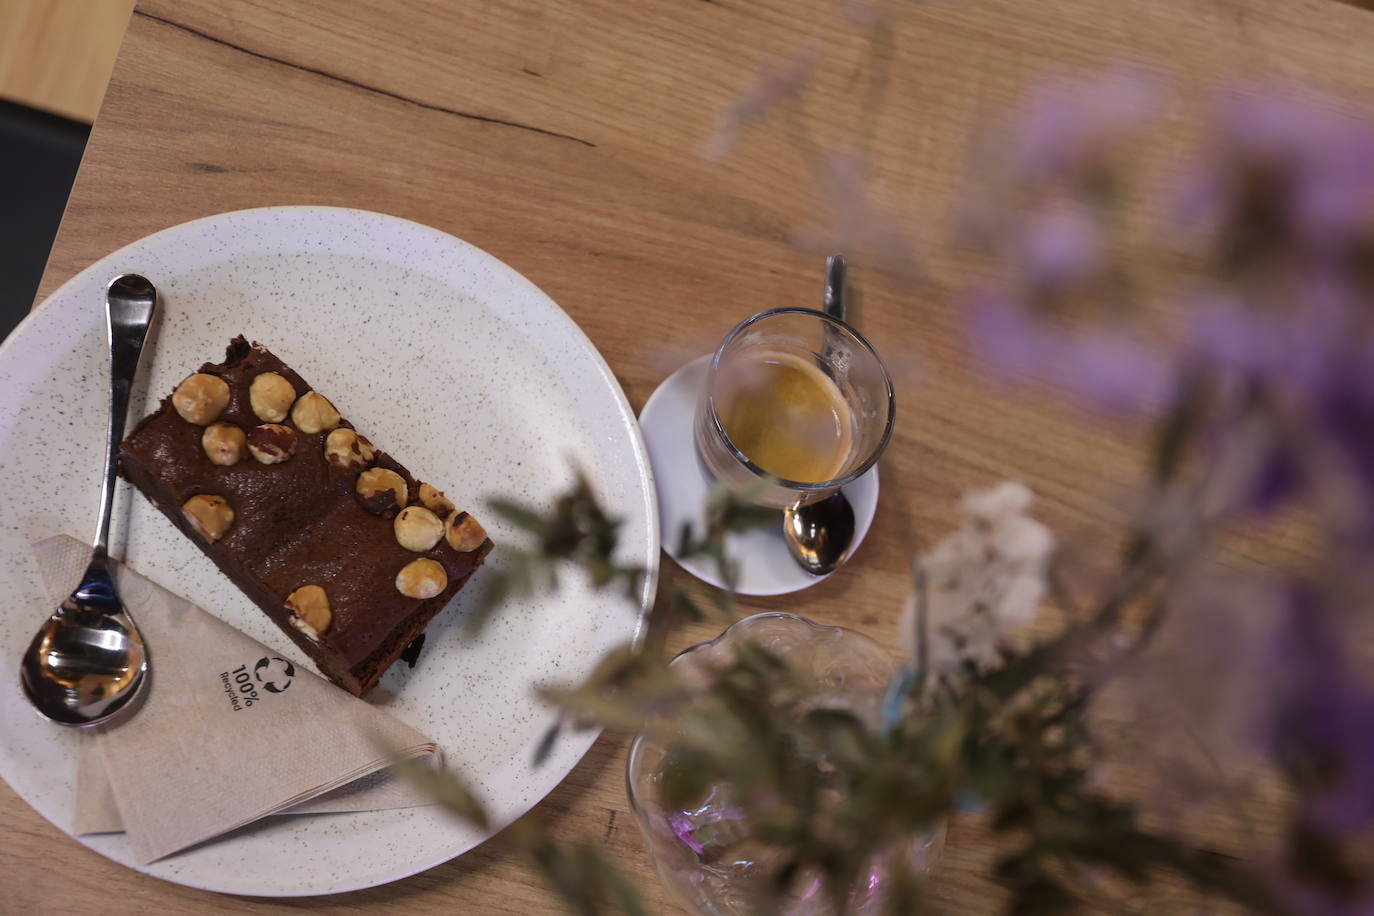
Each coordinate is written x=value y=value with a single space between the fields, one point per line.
x=648 y=506
x=835 y=324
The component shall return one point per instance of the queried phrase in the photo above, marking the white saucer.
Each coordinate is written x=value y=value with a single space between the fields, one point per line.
x=765 y=566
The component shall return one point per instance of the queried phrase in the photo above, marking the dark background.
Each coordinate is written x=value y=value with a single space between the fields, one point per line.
x=39 y=155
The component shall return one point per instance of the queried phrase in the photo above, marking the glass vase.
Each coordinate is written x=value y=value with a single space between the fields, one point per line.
x=705 y=854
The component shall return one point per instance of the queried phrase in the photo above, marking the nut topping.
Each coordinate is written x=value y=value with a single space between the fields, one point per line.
x=418 y=529
x=272 y=443
x=314 y=414
x=201 y=398
x=210 y=515
x=344 y=448
x=422 y=578
x=310 y=605
x=271 y=397
x=464 y=533
x=435 y=501
x=383 y=491
x=224 y=443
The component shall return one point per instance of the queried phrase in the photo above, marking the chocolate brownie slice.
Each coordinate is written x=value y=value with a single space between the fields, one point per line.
x=337 y=542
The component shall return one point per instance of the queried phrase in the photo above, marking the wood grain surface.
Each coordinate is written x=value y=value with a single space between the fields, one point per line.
x=566 y=137
x=57 y=54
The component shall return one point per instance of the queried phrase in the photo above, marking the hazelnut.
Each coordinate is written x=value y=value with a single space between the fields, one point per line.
x=201 y=398
x=464 y=533
x=271 y=396
x=422 y=578
x=344 y=448
x=418 y=529
x=382 y=490
x=310 y=605
x=314 y=414
x=210 y=515
x=272 y=443
x=435 y=501
x=224 y=443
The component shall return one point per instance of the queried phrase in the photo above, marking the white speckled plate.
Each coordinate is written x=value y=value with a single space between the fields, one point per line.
x=443 y=355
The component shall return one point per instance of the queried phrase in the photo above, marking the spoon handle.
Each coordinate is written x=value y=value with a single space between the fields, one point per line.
x=836 y=268
x=130 y=304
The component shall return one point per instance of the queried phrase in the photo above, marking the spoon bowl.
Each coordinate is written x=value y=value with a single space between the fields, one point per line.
x=820 y=534
x=88 y=661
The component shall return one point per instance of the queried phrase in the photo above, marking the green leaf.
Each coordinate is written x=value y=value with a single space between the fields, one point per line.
x=546 y=743
x=845 y=739
x=621 y=891
x=738 y=517
x=685 y=603
x=519 y=515
x=441 y=784
x=1041 y=896
x=688 y=774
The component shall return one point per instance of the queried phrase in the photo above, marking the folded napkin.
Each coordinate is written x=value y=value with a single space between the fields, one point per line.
x=226 y=732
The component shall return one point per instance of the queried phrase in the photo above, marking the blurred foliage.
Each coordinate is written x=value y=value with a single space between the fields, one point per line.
x=832 y=788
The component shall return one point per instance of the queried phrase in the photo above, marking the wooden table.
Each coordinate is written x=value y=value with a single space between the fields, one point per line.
x=565 y=137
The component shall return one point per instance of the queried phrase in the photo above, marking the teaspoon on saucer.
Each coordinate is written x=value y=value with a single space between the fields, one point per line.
x=820 y=534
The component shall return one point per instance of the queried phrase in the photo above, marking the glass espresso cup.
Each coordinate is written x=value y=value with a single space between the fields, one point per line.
x=796 y=405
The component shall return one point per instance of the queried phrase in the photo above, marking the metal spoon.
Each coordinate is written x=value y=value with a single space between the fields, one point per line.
x=820 y=534
x=88 y=660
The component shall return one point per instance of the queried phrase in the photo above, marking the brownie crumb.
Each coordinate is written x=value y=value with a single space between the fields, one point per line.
x=411 y=653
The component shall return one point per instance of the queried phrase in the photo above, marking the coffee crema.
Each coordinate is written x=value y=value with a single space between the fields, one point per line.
x=786 y=416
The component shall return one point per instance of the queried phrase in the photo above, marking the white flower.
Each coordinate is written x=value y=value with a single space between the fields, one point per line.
x=982 y=582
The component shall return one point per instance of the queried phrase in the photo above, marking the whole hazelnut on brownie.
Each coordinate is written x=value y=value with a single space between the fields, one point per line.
x=344 y=448
x=382 y=491
x=422 y=578
x=314 y=414
x=271 y=397
x=210 y=515
x=272 y=443
x=201 y=398
x=309 y=605
x=464 y=533
x=224 y=444
x=418 y=529
x=435 y=501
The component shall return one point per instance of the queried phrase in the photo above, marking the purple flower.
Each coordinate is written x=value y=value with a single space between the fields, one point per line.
x=773 y=85
x=1065 y=126
x=1309 y=902
x=1062 y=246
x=1051 y=161
x=684 y=828
x=1315 y=359
x=1321 y=728
x=1279 y=312
x=1304 y=171
x=1105 y=367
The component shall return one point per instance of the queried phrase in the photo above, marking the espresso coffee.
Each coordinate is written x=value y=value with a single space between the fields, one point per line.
x=786 y=415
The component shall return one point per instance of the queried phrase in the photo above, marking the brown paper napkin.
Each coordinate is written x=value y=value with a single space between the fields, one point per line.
x=227 y=732
x=97 y=812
